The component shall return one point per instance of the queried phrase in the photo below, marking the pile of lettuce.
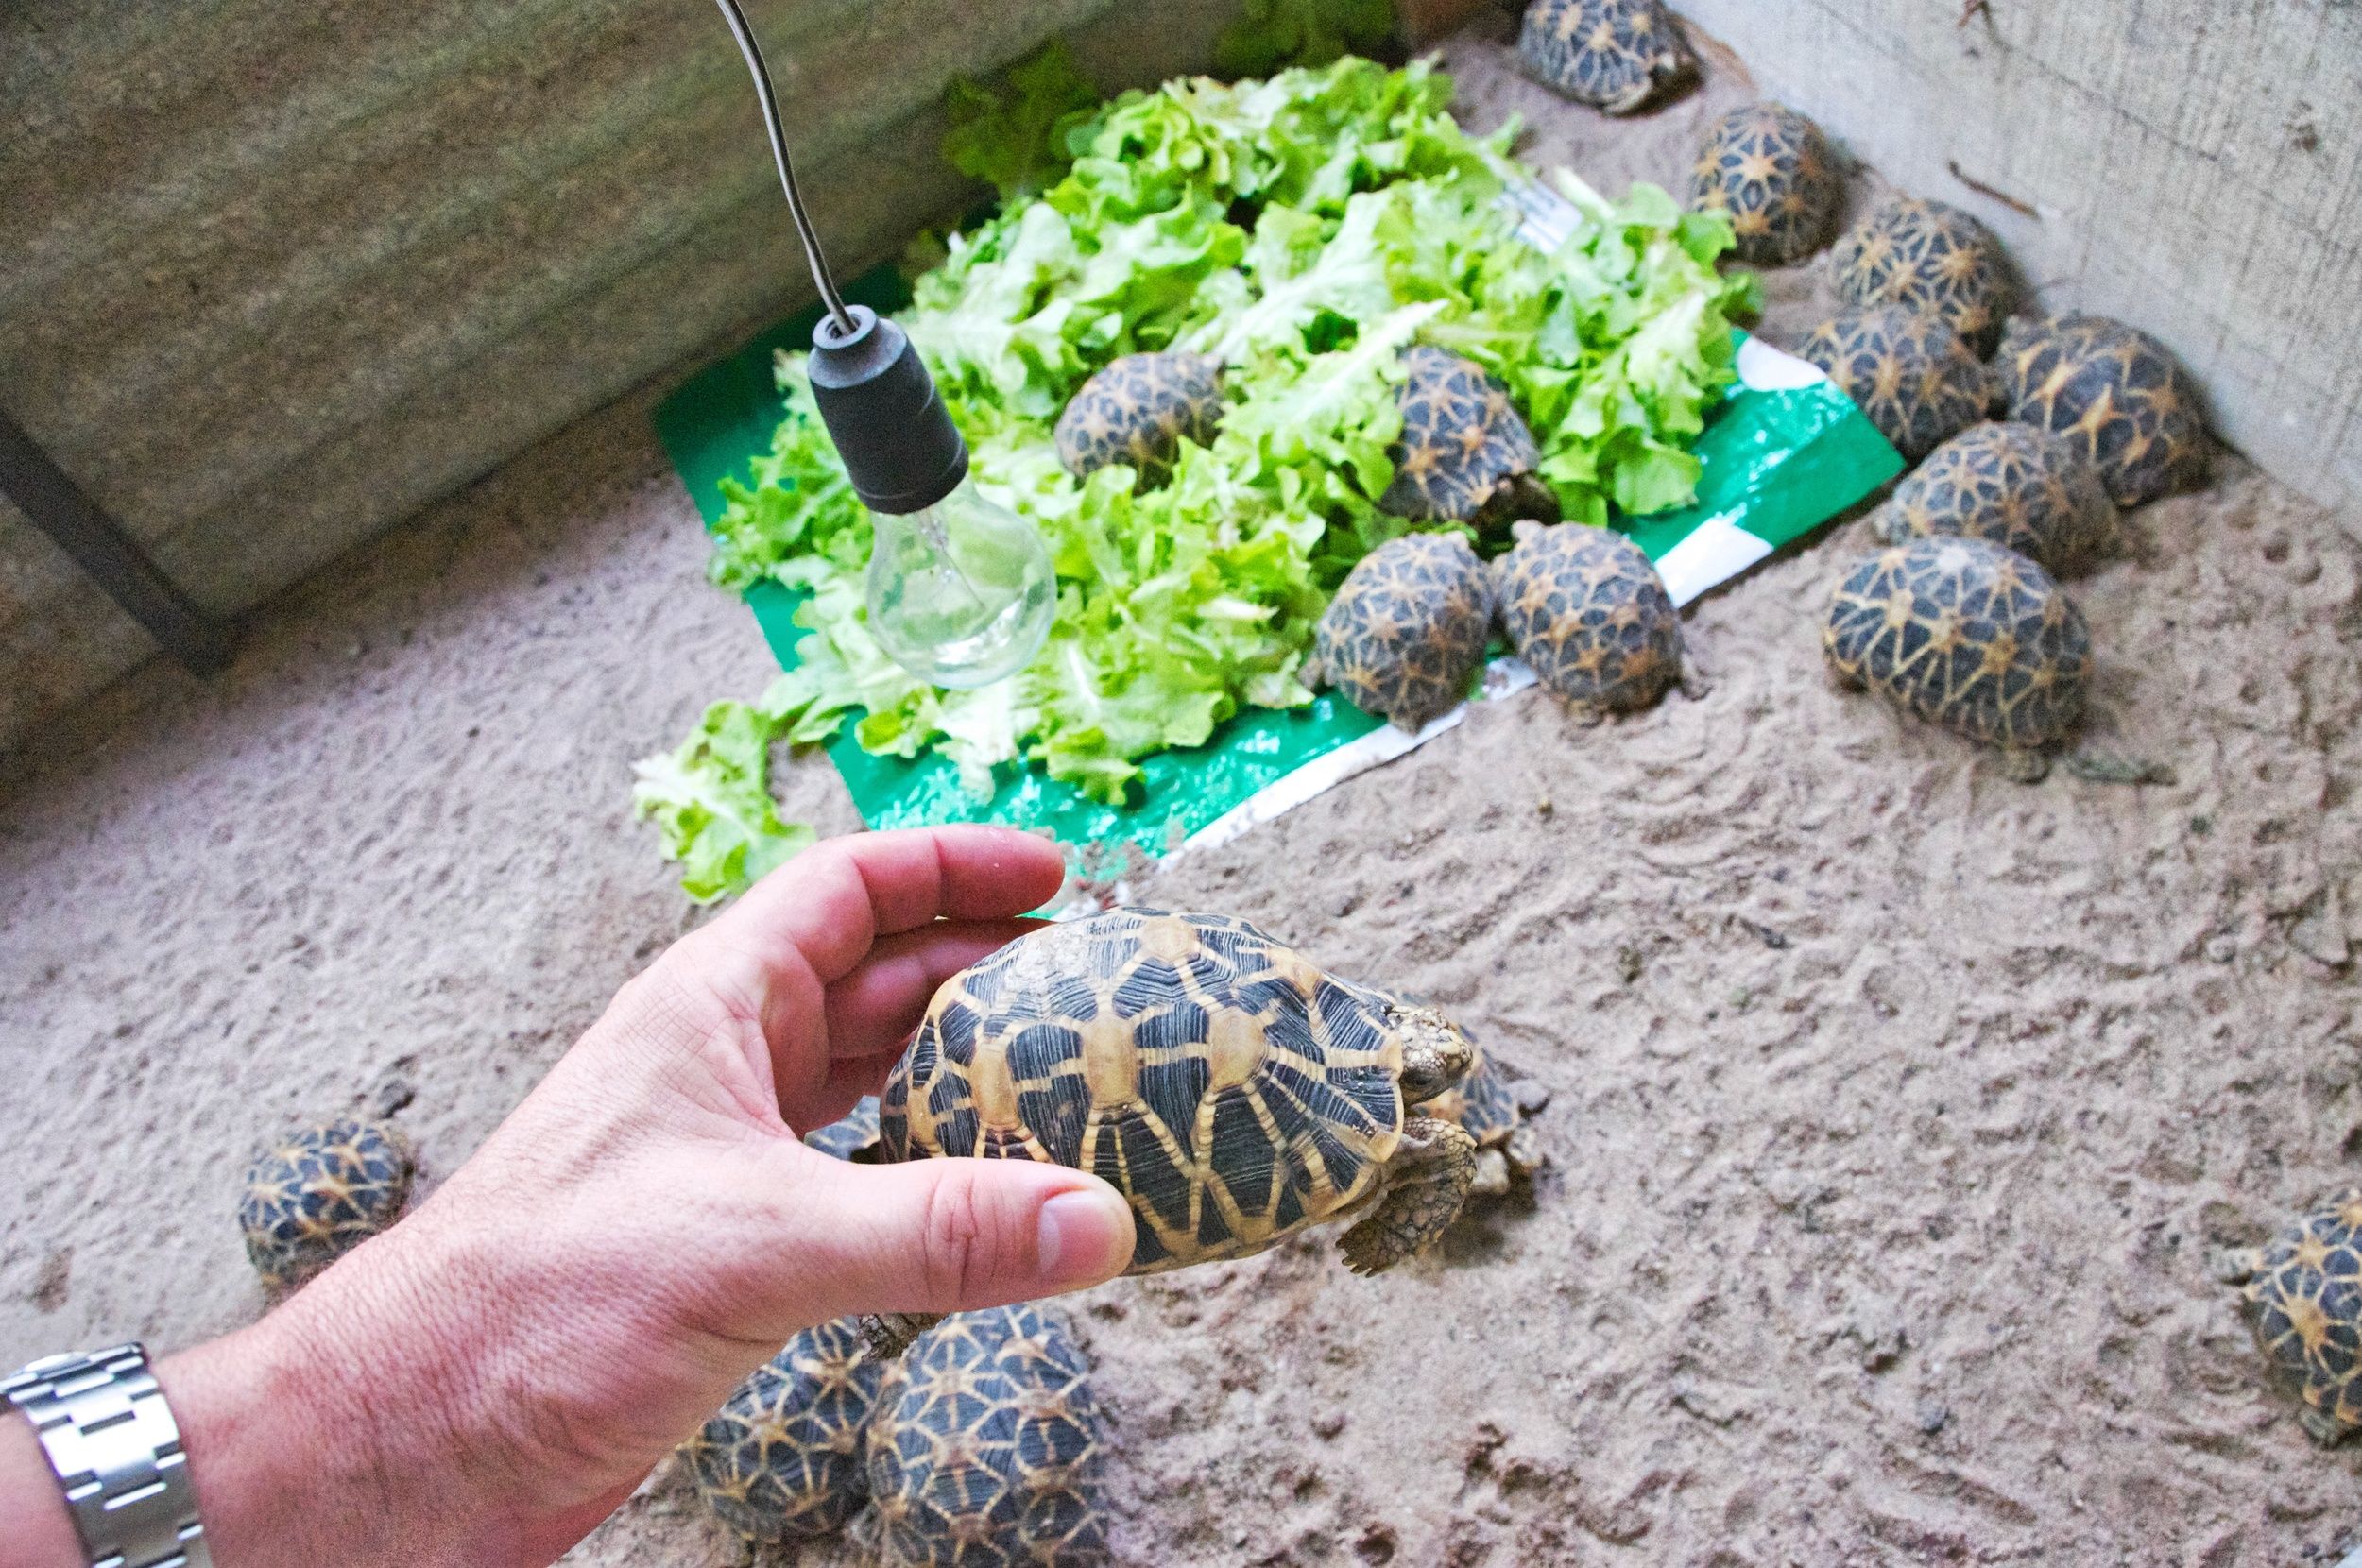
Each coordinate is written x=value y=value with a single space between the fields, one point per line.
x=1304 y=228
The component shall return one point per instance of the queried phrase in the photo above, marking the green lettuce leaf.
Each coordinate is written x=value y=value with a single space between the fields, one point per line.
x=712 y=800
x=1012 y=133
x=1273 y=33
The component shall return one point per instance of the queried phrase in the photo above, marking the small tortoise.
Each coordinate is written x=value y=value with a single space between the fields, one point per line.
x=850 y=1135
x=2017 y=486
x=1588 y=613
x=2304 y=1300
x=315 y=1195
x=1464 y=455
x=783 y=1458
x=1484 y=1106
x=1910 y=373
x=1610 y=54
x=2114 y=391
x=1930 y=257
x=1231 y=1090
x=1768 y=169
x=1975 y=637
x=1408 y=628
x=986 y=1452
x=1136 y=409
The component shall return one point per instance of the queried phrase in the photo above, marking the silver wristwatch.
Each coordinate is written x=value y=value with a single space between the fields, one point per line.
x=116 y=1450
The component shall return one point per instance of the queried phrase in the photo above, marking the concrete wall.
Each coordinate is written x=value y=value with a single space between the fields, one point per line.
x=2193 y=166
x=272 y=277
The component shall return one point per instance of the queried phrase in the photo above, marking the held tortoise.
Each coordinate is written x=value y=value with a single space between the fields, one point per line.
x=1484 y=1106
x=2116 y=393
x=1585 y=610
x=1927 y=256
x=851 y=1134
x=1613 y=55
x=2304 y=1298
x=1464 y=455
x=986 y=1452
x=1973 y=636
x=1408 y=628
x=1230 y=1088
x=316 y=1195
x=783 y=1459
x=1768 y=168
x=1136 y=409
x=1910 y=373
x=2012 y=484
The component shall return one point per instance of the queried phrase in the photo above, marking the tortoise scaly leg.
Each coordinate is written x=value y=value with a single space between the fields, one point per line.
x=1426 y=1181
x=2026 y=767
x=2322 y=1429
x=1491 y=1174
x=889 y=1333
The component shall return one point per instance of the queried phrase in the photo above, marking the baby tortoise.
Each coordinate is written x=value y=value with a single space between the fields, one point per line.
x=986 y=1452
x=1464 y=455
x=783 y=1458
x=2304 y=1298
x=1910 y=373
x=1408 y=628
x=854 y=1131
x=1588 y=613
x=1930 y=257
x=1611 y=54
x=1768 y=169
x=1483 y=1105
x=1136 y=409
x=1975 y=637
x=2116 y=393
x=1227 y=1087
x=315 y=1195
x=2017 y=486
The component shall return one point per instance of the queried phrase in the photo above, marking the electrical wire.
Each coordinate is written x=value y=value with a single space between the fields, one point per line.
x=819 y=263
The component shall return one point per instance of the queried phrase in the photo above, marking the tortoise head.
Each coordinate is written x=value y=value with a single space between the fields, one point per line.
x=1434 y=1052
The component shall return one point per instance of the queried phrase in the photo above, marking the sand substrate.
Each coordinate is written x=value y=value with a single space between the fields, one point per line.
x=1895 y=1106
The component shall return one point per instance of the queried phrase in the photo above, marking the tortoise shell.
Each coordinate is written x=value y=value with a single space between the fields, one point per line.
x=317 y=1194
x=1588 y=613
x=1910 y=373
x=1768 y=168
x=1930 y=257
x=986 y=1452
x=2011 y=484
x=850 y=1135
x=1973 y=636
x=2116 y=394
x=1610 y=54
x=1408 y=628
x=783 y=1459
x=1136 y=409
x=1230 y=1089
x=1464 y=449
x=2303 y=1300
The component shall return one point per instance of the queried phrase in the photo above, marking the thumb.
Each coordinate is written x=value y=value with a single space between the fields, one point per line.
x=952 y=1235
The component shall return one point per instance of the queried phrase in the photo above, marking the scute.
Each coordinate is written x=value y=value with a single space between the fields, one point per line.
x=1443 y=473
x=317 y=1194
x=1973 y=636
x=985 y=1450
x=1407 y=630
x=1768 y=169
x=2303 y=1301
x=2115 y=394
x=1610 y=54
x=1929 y=257
x=1588 y=613
x=783 y=1458
x=1912 y=374
x=1229 y=1106
x=2011 y=484
x=1138 y=409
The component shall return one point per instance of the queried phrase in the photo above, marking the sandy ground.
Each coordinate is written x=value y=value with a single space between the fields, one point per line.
x=1895 y=1105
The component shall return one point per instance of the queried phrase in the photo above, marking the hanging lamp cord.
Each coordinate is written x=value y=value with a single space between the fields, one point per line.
x=819 y=263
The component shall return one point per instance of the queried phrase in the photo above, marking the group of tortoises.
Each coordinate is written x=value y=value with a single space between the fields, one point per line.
x=1961 y=619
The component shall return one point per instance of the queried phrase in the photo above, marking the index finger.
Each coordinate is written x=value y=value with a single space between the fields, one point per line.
x=829 y=906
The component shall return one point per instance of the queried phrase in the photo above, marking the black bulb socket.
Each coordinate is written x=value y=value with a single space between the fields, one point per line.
x=901 y=449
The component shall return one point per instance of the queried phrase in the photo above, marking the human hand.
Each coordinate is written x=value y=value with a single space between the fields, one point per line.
x=489 y=1379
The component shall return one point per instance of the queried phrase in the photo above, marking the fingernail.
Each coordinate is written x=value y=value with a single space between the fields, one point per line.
x=1085 y=1237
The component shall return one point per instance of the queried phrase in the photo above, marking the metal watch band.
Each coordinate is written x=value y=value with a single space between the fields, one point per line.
x=116 y=1450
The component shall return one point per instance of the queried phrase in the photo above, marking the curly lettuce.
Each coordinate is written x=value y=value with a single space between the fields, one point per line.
x=1302 y=228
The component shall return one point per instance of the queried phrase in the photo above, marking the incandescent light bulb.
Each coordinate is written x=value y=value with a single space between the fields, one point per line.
x=961 y=591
